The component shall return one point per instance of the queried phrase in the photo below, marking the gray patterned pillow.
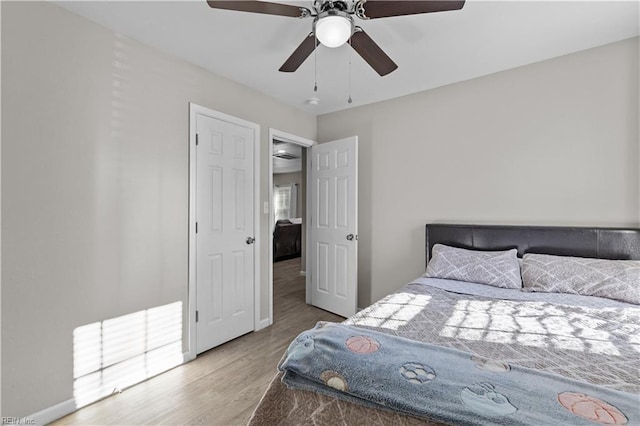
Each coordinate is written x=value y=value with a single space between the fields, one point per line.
x=496 y=268
x=613 y=279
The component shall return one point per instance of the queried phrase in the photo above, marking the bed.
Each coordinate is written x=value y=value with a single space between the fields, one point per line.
x=287 y=237
x=572 y=339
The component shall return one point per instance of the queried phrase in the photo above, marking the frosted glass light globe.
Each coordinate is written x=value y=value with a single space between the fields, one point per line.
x=333 y=31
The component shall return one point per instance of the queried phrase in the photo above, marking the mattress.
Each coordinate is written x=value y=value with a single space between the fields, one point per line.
x=584 y=338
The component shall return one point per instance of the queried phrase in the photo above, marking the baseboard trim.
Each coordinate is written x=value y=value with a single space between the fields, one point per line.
x=60 y=410
x=187 y=357
x=303 y=273
x=263 y=324
x=54 y=412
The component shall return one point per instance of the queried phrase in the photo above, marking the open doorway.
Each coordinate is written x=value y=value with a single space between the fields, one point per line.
x=287 y=218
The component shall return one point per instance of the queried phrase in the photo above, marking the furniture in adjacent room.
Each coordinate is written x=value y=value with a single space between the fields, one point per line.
x=287 y=240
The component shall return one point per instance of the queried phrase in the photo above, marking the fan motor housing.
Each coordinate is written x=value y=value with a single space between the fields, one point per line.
x=328 y=5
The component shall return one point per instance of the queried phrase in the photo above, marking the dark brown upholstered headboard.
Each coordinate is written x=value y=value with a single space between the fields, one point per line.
x=602 y=243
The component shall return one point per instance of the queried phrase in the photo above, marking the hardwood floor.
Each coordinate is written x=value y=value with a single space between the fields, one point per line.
x=222 y=386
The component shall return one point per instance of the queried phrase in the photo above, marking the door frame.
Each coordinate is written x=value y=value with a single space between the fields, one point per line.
x=305 y=143
x=194 y=110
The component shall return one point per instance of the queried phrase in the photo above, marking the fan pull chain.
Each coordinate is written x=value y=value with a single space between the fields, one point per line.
x=315 y=65
x=350 y=56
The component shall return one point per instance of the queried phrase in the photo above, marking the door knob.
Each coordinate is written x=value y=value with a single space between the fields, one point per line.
x=251 y=240
x=350 y=237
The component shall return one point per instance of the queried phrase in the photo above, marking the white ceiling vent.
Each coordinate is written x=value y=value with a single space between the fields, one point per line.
x=285 y=155
x=286 y=151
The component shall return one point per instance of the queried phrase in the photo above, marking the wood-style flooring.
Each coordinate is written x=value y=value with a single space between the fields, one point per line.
x=221 y=386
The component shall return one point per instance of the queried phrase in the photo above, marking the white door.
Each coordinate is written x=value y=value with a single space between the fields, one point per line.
x=224 y=231
x=333 y=234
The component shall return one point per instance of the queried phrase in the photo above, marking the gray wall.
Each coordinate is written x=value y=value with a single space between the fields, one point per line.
x=95 y=185
x=554 y=142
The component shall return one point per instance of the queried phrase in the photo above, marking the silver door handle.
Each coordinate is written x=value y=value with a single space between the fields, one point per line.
x=350 y=237
x=251 y=240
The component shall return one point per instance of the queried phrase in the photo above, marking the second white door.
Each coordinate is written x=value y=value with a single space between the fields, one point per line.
x=224 y=231
x=333 y=233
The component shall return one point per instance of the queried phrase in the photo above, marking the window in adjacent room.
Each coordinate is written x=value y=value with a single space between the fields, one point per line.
x=284 y=201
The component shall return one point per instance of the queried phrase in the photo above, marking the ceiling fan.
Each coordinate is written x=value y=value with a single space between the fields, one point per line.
x=333 y=24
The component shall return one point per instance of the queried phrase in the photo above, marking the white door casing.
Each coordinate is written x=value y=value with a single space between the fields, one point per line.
x=225 y=258
x=333 y=235
x=275 y=134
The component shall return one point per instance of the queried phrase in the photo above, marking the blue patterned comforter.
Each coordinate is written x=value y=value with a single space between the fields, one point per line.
x=444 y=384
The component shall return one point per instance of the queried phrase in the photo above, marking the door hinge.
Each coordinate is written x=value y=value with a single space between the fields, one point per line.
x=196 y=139
x=197 y=316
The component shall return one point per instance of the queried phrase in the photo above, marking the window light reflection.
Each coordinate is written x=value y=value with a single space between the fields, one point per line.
x=116 y=353
x=533 y=324
x=392 y=312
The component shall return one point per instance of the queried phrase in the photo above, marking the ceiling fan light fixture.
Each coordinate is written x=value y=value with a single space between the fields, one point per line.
x=333 y=29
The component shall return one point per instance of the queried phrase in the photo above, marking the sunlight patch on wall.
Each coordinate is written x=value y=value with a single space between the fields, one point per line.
x=111 y=355
x=528 y=324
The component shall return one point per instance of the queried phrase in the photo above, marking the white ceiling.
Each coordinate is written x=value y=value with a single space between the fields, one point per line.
x=431 y=50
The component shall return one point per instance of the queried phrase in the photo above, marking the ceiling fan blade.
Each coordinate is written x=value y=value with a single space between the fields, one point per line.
x=371 y=53
x=385 y=8
x=260 y=7
x=302 y=52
